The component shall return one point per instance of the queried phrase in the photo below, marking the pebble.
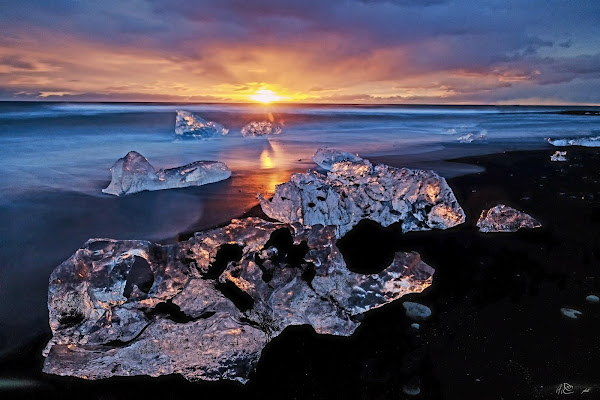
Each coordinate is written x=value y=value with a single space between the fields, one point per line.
x=571 y=313
x=416 y=311
x=592 y=298
x=411 y=390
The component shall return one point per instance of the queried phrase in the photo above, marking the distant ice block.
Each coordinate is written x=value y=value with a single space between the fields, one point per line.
x=502 y=218
x=420 y=200
x=325 y=158
x=191 y=125
x=133 y=173
x=470 y=137
x=260 y=128
x=593 y=141
x=559 y=156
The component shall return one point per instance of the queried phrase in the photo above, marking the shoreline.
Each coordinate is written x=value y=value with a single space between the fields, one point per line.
x=495 y=297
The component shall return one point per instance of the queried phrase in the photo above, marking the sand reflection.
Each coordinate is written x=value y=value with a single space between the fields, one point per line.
x=274 y=168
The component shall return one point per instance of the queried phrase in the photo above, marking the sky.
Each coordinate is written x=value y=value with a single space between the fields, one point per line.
x=311 y=51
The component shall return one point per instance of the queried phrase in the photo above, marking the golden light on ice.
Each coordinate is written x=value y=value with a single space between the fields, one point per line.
x=265 y=96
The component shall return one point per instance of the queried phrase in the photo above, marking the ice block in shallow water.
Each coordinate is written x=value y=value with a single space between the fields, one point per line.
x=133 y=173
x=471 y=137
x=191 y=125
x=260 y=128
x=593 y=141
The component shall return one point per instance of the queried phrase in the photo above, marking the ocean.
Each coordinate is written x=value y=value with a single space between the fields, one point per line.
x=55 y=160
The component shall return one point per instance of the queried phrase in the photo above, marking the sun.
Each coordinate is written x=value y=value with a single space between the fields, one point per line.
x=265 y=96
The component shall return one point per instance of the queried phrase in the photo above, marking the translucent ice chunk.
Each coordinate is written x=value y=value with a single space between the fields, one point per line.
x=191 y=125
x=470 y=137
x=502 y=218
x=181 y=318
x=353 y=191
x=261 y=128
x=593 y=141
x=559 y=156
x=325 y=158
x=133 y=173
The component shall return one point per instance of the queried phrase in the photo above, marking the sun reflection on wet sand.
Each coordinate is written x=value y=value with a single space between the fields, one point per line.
x=274 y=167
x=265 y=160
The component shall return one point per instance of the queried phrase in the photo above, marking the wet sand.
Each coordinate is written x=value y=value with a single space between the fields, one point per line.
x=496 y=329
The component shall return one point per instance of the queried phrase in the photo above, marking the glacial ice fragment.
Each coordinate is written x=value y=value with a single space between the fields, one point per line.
x=470 y=137
x=191 y=125
x=593 y=141
x=502 y=218
x=260 y=128
x=325 y=158
x=353 y=191
x=133 y=173
x=213 y=302
x=559 y=156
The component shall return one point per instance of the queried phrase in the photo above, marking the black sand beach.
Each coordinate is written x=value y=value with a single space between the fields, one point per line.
x=496 y=331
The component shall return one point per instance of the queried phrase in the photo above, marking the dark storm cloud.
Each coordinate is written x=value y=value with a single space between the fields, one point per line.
x=337 y=44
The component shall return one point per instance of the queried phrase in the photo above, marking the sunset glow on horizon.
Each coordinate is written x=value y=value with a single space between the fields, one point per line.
x=339 y=51
x=265 y=96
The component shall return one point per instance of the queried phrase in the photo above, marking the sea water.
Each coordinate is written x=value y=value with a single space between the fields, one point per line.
x=55 y=160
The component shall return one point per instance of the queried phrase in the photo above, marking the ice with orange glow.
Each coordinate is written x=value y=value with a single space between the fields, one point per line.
x=205 y=308
x=261 y=128
x=503 y=218
x=352 y=191
x=191 y=125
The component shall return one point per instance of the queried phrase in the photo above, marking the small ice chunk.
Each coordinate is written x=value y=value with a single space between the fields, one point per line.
x=416 y=311
x=133 y=173
x=470 y=137
x=502 y=218
x=414 y=325
x=260 y=128
x=559 y=156
x=592 y=298
x=570 y=313
x=191 y=125
x=593 y=141
x=325 y=158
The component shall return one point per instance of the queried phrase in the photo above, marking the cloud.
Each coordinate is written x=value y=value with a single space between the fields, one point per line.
x=401 y=50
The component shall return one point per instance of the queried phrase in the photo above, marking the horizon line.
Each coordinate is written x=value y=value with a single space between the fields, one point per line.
x=300 y=103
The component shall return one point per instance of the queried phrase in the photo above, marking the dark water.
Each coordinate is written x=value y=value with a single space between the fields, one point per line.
x=55 y=159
